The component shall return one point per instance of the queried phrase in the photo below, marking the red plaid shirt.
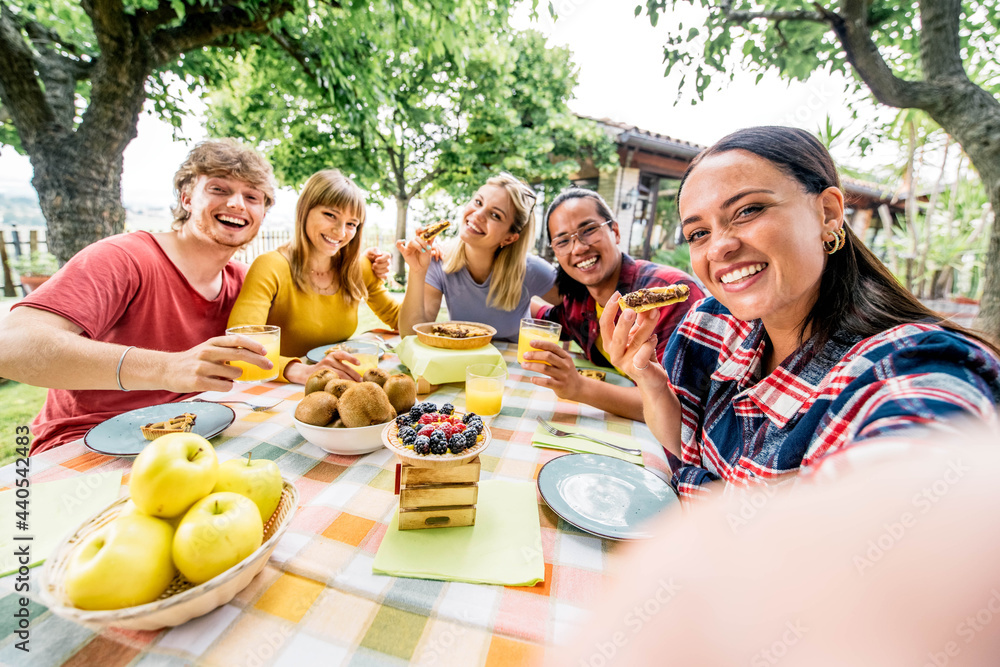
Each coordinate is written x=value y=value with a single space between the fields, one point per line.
x=579 y=317
x=744 y=429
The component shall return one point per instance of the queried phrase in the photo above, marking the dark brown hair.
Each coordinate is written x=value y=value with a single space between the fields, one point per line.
x=569 y=288
x=858 y=294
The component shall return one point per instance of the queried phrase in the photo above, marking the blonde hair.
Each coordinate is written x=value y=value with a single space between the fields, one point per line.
x=221 y=158
x=332 y=189
x=510 y=262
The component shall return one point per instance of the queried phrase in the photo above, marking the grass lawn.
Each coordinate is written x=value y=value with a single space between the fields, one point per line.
x=19 y=403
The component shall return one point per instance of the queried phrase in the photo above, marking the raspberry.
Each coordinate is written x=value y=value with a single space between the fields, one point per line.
x=447 y=429
x=459 y=427
x=426 y=431
x=426 y=418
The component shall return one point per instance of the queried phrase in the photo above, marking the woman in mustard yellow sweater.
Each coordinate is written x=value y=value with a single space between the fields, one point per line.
x=312 y=286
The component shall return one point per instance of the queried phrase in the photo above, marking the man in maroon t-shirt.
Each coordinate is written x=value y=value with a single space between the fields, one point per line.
x=141 y=313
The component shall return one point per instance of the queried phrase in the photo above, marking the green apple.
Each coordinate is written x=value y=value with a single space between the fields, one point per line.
x=259 y=480
x=217 y=532
x=173 y=472
x=123 y=564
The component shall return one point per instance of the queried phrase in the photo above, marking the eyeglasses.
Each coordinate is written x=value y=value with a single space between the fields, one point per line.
x=586 y=236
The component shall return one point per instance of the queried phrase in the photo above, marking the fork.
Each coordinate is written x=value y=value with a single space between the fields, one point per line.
x=256 y=406
x=563 y=434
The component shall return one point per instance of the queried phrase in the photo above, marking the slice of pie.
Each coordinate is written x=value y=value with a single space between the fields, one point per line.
x=179 y=424
x=591 y=373
x=455 y=330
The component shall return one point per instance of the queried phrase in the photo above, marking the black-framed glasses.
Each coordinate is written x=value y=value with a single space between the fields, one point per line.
x=585 y=235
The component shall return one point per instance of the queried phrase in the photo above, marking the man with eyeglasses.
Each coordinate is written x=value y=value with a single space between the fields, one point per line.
x=585 y=237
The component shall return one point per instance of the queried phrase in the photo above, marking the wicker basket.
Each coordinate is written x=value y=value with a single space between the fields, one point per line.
x=425 y=336
x=406 y=455
x=182 y=601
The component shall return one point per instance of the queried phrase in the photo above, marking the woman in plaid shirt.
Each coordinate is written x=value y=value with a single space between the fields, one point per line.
x=807 y=345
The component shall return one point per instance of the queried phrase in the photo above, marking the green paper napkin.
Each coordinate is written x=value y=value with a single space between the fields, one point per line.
x=504 y=547
x=54 y=510
x=439 y=366
x=542 y=438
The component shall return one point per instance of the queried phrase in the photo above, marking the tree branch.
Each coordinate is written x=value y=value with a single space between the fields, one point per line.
x=201 y=29
x=20 y=91
x=288 y=45
x=940 y=46
x=851 y=28
x=738 y=16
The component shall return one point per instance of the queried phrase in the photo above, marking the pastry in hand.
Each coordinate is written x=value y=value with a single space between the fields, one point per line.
x=654 y=297
x=591 y=373
x=433 y=230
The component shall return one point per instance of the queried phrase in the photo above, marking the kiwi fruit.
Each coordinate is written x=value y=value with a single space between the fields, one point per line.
x=317 y=381
x=402 y=392
x=338 y=385
x=376 y=375
x=318 y=408
x=365 y=404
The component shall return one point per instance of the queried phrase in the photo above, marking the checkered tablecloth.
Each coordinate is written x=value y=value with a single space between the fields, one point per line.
x=317 y=601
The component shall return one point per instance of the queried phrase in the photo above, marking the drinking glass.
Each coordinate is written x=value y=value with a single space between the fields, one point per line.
x=530 y=329
x=366 y=353
x=267 y=335
x=484 y=388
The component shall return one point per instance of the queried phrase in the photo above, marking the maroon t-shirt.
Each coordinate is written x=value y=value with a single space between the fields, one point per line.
x=124 y=289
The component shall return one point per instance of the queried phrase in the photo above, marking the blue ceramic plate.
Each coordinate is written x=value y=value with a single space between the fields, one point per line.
x=120 y=436
x=603 y=495
x=316 y=354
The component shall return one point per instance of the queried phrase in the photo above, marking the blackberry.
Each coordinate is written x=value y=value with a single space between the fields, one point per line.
x=447 y=409
x=422 y=445
x=439 y=447
x=475 y=428
x=467 y=416
x=404 y=420
x=415 y=413
x=457 y=443
x=427 y=407
x=438 y=438
x=407 y=435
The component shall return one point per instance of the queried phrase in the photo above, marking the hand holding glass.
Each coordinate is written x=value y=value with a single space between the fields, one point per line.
x=530 y=329
x=484 y=388
x=270 y=337
x=366 y=353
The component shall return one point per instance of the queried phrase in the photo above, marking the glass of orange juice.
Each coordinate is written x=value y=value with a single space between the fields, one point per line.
x=366 y=353
x=267 y=335
x=531 y=329
x=484 y=388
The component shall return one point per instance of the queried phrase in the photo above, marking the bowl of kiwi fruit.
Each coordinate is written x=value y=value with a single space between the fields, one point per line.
x=346 y=417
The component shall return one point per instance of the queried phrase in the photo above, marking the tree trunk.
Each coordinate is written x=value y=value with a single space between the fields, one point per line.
x=402 y=206
x=79 y=192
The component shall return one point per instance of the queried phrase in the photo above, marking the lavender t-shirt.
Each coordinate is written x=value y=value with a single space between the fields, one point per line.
x=466 y=299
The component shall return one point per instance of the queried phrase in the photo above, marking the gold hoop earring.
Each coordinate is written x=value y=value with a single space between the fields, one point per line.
x=838 y=241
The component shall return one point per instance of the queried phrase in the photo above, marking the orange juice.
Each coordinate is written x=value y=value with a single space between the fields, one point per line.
x=366 y=362
x=529 y=332
x=484 y=396
x=272 y=344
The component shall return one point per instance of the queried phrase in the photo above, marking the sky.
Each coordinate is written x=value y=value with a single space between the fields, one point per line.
x=619 y=57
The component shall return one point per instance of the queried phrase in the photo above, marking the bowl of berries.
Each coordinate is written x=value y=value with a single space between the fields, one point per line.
x=432 y=437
